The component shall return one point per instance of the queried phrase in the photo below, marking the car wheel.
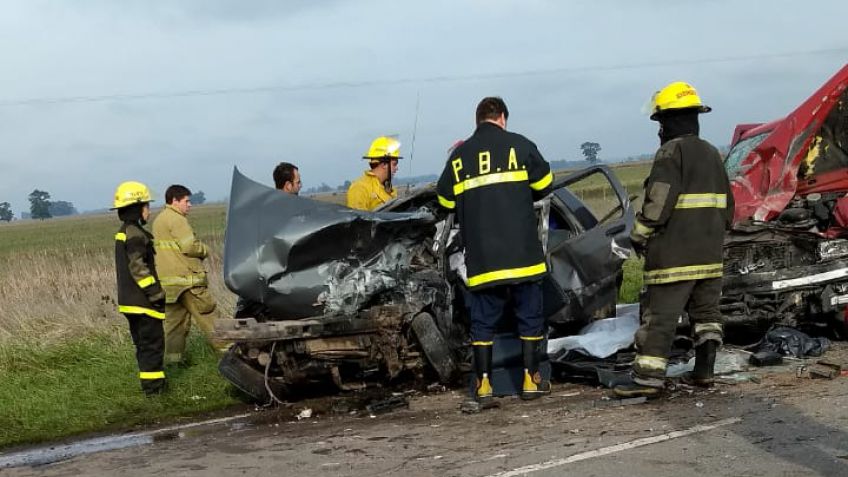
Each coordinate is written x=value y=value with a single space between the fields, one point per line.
x=246 y=378
x=434 y=346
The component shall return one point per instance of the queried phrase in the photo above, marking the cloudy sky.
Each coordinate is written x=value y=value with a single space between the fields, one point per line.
x=94 y=92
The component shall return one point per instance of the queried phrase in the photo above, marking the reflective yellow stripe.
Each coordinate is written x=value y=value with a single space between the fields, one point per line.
x=543 y=182
x=489 y=179
x=187 y=281
x=508 y=273
x=166 y=245
x=707 y=328
x=186 y=242
x=699 y=201
x=677 y=274
x=139 y=310
x=121 y=237
x=146 y=282
x=532 y=338
x=650 y=362
x=640 y=229
x=482 y=343
x=151 y=375
x=448 y=204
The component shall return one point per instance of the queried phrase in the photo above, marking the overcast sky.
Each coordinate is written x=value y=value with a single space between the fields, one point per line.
x=314 y=82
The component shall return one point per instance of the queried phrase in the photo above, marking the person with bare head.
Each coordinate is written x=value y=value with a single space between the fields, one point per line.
x=491 y=180
x=287 y=178
x=180 y=255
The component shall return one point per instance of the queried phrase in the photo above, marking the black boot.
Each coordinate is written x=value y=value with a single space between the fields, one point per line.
x=646 y=380
x=534 y=386
x=634 y=389
x=705 y=356
x=154 y=387
x=482 y=397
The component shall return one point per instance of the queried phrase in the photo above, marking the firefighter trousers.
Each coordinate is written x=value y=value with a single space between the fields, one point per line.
x=148 y=338
x=487 y=306
x=664 y=305
x=194 y=304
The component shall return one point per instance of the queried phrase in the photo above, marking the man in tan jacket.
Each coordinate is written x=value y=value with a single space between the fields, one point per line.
x=179 y=259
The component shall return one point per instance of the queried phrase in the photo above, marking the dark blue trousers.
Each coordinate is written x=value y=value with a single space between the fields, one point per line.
x=487 y=307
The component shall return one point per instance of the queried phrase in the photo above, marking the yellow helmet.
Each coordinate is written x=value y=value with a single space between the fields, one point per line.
x=677 y=95
x=129 y=193
x=384 y=148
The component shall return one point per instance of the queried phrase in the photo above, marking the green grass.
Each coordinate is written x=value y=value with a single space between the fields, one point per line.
x=632 y=285
x=91 y=385
x=81 y=233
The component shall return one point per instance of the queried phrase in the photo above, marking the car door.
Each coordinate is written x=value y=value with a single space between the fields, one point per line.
x=589 y=221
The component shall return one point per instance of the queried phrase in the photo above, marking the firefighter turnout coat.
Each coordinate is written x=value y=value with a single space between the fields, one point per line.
x=688 y=206
x=368 y=193
x=490 y=181
x=138 y=284
x=179 y=254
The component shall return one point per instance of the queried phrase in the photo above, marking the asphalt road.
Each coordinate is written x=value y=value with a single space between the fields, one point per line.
x=782 y=426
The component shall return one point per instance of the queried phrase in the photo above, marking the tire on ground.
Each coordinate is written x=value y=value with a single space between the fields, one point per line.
x=246 y=378
x=434 y=346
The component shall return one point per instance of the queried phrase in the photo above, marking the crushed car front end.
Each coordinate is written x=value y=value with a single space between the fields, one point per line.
x=786 y=258
x=350 y=299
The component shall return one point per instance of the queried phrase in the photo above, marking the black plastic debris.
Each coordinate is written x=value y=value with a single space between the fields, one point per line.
x=387 y=405
x=788 y=341
x=766 y=358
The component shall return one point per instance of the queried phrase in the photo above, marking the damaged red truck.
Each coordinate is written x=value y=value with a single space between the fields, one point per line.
x=786 y=259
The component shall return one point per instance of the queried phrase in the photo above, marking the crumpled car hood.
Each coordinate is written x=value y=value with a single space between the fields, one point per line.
x=300 y=257
x=769 y=174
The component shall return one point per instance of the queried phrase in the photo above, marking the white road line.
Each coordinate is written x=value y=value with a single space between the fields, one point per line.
x=616 y=448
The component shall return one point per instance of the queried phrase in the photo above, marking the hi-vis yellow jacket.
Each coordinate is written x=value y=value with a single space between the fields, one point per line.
x=368 y=193
x=179 y=254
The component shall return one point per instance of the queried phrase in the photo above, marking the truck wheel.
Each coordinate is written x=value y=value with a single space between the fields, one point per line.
x=434 y=346
x=248 y=379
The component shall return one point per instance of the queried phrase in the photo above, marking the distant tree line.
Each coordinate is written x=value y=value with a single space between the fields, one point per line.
x=40 y=207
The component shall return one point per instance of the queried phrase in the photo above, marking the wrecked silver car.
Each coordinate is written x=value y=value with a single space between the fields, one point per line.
x=331 y=295
x=786 y=258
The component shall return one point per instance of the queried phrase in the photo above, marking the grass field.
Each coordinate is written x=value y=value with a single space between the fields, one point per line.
x=66 y=360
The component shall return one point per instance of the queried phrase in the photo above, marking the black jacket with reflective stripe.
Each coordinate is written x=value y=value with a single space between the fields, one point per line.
x=688 y=206
x=491 y=180
x=138 y=283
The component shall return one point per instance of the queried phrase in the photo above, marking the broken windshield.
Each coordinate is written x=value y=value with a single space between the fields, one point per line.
x=733 y=162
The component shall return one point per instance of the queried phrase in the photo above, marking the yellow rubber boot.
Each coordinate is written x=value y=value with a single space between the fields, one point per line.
x=483 y=397
x=534 y=386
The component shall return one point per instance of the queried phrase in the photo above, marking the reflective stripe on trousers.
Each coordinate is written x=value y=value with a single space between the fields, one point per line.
x=679 y=274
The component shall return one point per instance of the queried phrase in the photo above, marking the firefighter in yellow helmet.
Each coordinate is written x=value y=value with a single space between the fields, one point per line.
x=180 y=256
x=140 y=295
x=680 y=230
x=374 y=188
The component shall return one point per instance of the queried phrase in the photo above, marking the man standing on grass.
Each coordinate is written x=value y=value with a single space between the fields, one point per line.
x=491 y=180
x=180 y=256
x=140 y=295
